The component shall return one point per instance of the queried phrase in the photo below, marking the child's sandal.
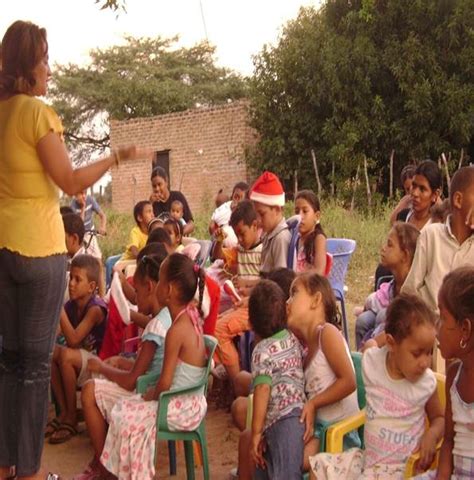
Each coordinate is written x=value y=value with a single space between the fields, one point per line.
x=58 y=437
x=51 y=427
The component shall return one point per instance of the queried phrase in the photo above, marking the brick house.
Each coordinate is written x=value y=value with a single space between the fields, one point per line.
x=203 y=150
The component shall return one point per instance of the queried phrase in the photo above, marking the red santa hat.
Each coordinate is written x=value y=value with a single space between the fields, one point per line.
x=268 y=190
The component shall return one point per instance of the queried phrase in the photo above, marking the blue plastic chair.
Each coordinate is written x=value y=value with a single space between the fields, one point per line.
x=341 y=250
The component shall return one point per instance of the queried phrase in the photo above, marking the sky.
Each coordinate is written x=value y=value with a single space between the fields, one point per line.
x=238 y=28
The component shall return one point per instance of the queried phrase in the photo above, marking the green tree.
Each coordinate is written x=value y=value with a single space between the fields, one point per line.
x=359 y=78
x=144 y=77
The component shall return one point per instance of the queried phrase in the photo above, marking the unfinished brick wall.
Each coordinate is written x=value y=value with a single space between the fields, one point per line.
x=207 y=147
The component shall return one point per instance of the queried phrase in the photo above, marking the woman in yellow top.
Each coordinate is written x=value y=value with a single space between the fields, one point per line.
x=34 y=165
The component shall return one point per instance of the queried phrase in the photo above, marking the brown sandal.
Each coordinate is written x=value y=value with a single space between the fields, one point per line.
x=51 y=427
x=57 y=437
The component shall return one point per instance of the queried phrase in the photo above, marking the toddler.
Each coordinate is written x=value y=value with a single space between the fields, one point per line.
x=177 y=212
x=400 y=392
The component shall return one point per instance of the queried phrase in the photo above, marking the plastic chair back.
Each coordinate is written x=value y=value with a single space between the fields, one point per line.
x=341 y=250
x=357 y=362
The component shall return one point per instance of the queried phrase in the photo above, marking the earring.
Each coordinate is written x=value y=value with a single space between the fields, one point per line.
x=462 y=344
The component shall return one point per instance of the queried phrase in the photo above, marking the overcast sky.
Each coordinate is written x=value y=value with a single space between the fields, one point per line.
x=238 y=28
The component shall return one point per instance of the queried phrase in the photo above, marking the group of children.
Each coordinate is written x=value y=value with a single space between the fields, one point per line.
x=302 y=375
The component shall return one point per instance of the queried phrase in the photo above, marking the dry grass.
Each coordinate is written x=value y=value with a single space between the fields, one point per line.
x=367 y=229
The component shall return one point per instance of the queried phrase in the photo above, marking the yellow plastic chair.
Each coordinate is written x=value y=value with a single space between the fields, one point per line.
x=336 y=432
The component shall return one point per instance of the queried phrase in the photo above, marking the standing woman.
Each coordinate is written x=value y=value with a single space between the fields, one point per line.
x=33 y=164
x=162 y=198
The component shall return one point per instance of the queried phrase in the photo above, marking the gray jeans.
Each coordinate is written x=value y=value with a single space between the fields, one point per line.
x=31 y=295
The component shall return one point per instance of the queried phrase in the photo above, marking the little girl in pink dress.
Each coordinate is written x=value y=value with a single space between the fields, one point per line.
x=129 y=451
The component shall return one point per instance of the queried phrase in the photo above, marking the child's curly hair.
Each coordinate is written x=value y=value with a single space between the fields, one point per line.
x=267 y=309
x=405 y=312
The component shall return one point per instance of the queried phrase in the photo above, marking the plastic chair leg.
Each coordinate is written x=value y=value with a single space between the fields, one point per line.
x=205 y=460
x=172 y=456
x=345 y=328
x=189 y=455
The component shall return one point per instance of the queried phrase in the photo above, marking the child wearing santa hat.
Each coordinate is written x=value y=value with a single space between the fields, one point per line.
x=268 y=198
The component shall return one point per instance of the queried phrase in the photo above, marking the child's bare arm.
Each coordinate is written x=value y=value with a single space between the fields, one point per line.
x=333 y=346
x=74 y=336
x=127 y=289
x=319 y=262
x=173 y=345
x=261 y=397
x=445 y=464
x=126 y=378
x=431 y=437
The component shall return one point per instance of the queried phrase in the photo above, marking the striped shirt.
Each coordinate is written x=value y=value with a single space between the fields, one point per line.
x=248 y=262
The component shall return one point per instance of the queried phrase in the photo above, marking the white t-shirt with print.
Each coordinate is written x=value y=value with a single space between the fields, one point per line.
x=395 y=412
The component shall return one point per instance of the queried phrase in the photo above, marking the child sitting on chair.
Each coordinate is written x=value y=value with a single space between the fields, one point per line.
x=82 y=323
x=310 y=248
x=118 y=374
x=401 y=392
x=396 y=256
x=130 y=442
x=247 y=273
x=456 y=340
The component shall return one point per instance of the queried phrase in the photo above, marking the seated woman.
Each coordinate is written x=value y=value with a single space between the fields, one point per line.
x=162 y=198
x=425 y=192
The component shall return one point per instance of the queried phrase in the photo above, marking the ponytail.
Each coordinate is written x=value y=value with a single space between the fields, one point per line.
x=201 y=283
x=308 y=244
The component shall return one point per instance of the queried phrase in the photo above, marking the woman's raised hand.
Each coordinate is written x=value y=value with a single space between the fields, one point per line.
x=132 y=152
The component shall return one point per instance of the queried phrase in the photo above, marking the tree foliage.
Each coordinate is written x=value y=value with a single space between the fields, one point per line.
x=362 y=77
x=144 y=77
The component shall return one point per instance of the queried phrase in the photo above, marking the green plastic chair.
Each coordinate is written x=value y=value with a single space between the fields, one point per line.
x=357 y=362
x=162 y=429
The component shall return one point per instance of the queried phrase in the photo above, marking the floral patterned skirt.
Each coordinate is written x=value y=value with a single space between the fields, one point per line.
x=129 y=450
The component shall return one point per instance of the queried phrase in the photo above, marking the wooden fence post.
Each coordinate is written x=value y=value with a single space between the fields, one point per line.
x=354 y=187
x=369 y=193
x=390 y=193
x=445 y=162
x=315 y=165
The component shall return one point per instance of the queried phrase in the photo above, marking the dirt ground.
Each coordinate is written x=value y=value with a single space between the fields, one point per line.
x=70 y=458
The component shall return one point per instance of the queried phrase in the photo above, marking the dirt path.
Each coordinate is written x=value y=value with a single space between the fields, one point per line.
x=70 y=458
